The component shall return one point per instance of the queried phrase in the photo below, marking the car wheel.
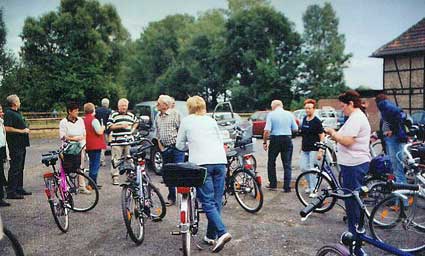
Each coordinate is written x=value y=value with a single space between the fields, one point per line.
x=156 y=161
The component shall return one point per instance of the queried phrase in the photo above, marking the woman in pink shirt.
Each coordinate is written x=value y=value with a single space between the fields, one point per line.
x=353 y=149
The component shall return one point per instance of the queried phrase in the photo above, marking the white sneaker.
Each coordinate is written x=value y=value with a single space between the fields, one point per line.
x=115 y=181
x=221 y=241
x=208 y=240
x=313 y=195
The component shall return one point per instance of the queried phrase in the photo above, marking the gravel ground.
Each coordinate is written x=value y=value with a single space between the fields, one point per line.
x=275 y=230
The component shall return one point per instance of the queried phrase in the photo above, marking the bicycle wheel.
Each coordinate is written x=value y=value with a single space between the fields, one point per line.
x=158 y=210
x=83 y=190
x=306 y=192
x=59 y=207
x=247 y=191
x=377 y=192
x=10 y=245
x=133 y=217
x=334 y=249
x=393 y=223
x=186 y=235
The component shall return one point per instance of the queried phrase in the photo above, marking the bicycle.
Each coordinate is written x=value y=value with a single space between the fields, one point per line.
x=400 y=217
x=242 y=180
x=324 y=178
x=9 y=243
x=352 y=243
x=186 y=177
x=67 y=191
x=140 y=199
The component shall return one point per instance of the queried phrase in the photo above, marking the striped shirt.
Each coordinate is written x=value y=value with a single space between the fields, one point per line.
x=167 y=125
x=120 y=136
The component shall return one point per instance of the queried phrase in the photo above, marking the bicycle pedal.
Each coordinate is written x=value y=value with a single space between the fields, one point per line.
x=175 y=233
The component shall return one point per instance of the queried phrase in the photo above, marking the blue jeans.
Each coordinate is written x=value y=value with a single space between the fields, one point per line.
x=210 y=195
x=353 y=178
x=307 y=161
x=393 y=147
x=94 y=164
x=172 y=155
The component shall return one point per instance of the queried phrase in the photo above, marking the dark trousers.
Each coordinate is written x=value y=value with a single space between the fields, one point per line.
x=94 y=164
x=172 y=155
x=353 y=178
x=3 y=181
x=283 y=145
x=16 y=171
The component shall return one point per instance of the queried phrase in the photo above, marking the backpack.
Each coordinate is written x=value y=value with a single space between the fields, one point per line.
x=380 y=166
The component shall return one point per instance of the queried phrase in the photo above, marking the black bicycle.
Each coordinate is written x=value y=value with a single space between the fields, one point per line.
x=9 y=244
x=140 y=199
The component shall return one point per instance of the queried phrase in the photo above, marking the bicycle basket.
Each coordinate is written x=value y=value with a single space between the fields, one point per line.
x=126 y=166
x=380 y=165
x=184 y=175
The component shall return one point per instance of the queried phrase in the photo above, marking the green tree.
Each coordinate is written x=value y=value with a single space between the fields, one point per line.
x=153 y=54
x=323 y=54
x=261 y=57
x=8 y=64
x=74 y=53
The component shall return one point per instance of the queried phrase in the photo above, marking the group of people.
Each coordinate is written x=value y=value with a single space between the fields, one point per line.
x=353 y=138
x=197 y=133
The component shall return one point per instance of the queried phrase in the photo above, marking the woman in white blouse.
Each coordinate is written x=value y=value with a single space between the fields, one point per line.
x=72 y=128
x=206 y=148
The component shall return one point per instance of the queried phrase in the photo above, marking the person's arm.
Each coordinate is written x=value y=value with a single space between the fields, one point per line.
x=181 y=138
x=11 y=129
x=294 y=126
x=266 y=132
x=99 y=129
x=343 y=140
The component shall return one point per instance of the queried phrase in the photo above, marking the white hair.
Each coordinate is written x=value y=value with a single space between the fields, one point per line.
x=12 y=99
x=277 y=103
x=123 y=100
x=166 y=99
x=105 y=102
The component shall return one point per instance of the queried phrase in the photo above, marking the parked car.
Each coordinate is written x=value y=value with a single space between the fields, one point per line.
x=258 y=122
x=328 y=117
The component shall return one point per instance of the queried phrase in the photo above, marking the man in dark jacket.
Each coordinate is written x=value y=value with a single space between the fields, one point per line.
x=102 y=114
x=17 y=140
x=395 y=137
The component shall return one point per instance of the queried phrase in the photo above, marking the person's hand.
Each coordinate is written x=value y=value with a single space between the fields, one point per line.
x=329 y=131
x=265 y=146
x=388 y=133
x=26 y=130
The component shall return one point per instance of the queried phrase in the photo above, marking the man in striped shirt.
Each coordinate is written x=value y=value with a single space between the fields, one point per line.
x=122 y=124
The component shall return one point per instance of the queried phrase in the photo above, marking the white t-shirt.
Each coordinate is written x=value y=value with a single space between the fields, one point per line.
x=68 y=128
x=203 y=138
x=356 y=126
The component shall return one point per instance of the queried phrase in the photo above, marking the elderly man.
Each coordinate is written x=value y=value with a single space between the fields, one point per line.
x=17 y=140
x=167 y=123
x=122 y=124
x=279 y=127
x=102 y=114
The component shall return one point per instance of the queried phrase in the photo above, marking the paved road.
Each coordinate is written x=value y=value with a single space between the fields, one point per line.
x=275 y=230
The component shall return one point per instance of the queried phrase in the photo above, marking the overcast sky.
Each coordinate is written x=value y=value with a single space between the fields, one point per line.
x=367 y=24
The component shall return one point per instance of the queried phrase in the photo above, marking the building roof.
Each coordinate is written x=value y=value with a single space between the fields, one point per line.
x=412 y=40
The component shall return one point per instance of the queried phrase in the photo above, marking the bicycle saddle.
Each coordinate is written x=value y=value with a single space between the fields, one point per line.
x=49 y=159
